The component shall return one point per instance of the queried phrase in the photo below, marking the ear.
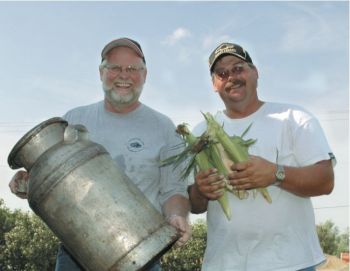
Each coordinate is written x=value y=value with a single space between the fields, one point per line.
x=101 y=72
x=257 y=73
x=256 y=70
x=213 y=84
x=145 y=75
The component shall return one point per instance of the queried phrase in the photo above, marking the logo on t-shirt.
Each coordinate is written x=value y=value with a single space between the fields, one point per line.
x=135 y=145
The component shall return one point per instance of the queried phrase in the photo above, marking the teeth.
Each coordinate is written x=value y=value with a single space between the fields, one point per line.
x=233 y=87
x=236 y=84
x=122 y=85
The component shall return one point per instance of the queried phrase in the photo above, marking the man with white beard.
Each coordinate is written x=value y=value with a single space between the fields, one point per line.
x=136 y=136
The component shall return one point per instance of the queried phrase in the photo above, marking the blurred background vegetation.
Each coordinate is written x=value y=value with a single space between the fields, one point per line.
x=27 y=244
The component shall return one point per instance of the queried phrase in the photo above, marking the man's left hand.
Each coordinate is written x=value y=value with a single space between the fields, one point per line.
x=181 y=224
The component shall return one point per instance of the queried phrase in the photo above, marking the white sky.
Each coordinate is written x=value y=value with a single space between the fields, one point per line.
x=50 y=52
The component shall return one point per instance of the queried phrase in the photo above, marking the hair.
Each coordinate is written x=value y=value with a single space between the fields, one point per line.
x=251 y=65
x=103 y=64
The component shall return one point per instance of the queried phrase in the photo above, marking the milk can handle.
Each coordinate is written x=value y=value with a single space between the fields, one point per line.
x=72 y=133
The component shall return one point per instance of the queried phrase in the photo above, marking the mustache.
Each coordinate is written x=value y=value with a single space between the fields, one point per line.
x=232 y=83
x=116 y=81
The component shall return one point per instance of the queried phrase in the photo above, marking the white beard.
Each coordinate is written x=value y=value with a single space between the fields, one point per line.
x=121 y=100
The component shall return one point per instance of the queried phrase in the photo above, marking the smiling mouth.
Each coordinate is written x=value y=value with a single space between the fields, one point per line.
x=237 y=85
x=122 y=85
x=234 y=85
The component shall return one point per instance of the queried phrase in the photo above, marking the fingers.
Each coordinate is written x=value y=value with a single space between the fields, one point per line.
x=206 y=173
x=243 y=184
x=240 y=174
x=241 y=166
x=185 y=236
x=256 y=172
x=19 y=184
x=183 y=239
x=22 y=195
x=180 y=223
x=210 y=184
x=242 y=180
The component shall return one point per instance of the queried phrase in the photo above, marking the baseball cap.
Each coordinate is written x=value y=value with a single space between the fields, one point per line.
x=134 y=45
x=227 y=48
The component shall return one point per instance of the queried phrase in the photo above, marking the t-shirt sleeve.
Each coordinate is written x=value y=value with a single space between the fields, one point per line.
x=171 y=181
x=310 y=143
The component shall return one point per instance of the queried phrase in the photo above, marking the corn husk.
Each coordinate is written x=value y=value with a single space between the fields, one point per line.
x=235 y=147
x=215 y=149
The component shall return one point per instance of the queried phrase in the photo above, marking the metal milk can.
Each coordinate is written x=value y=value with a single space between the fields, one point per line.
x=76 y=188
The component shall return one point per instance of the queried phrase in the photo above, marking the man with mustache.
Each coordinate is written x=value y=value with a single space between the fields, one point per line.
x=136 y=136
x=291 y=159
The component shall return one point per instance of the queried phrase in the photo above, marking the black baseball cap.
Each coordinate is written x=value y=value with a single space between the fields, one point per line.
x=134 y=45
x=227 y=48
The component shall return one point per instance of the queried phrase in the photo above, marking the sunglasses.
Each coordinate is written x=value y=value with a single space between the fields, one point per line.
x=224 y=74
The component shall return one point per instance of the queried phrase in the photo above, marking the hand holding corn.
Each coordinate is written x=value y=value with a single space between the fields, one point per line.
x=215 y=149
x=254 y=173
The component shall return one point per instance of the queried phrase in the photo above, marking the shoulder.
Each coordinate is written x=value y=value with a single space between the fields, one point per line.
x=291 y=112
x=161 y=124
x=81 y=112
x=83 y=108
x=157 y=116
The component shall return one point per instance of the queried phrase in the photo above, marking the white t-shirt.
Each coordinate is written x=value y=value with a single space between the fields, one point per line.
x=137 y=141
x=280 y=236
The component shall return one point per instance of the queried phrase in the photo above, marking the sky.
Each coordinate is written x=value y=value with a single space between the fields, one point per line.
x=50 y=52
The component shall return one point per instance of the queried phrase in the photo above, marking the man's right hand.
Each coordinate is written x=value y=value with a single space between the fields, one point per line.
x=19 y=184
x=209 y=184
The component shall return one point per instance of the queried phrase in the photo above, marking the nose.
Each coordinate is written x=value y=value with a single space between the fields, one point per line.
x=123 y=73
x=231 y=76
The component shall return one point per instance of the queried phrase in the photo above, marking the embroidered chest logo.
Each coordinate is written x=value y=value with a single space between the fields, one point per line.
x=135 y=145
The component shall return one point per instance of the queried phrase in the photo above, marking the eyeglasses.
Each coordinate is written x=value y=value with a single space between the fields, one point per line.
x=224 y=74
x=115 y=69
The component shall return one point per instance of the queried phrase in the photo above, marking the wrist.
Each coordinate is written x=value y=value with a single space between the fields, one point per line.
x=170 y=217
x=197 y=193
x=199 y=203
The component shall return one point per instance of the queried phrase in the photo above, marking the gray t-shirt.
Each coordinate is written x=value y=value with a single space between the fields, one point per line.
x=137 y=141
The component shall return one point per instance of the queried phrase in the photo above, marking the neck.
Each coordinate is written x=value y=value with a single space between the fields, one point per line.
x=239 y=111
x=121 y=109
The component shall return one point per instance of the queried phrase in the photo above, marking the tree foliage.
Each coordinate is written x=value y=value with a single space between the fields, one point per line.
x=328 y=237
x=343 y=243
x=190 y=256
x=27 y=244
x=332 y=242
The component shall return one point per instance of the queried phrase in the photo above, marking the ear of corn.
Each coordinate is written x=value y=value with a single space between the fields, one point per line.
x=236 y=148
x=215 y=149
x=220 y=166
x=199 y=148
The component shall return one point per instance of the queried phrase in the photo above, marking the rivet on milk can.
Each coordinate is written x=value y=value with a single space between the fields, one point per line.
x=77 y=189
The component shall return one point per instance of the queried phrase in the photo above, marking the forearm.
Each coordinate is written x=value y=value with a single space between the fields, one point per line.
x=199 y=204
x=309 y=181
x=176 y=205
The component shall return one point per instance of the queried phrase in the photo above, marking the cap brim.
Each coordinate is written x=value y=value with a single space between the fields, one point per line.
x=227 y=54
x=121 y=42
